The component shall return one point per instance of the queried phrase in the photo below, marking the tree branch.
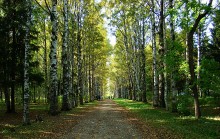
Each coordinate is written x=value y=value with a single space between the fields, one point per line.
x=42 y=7
x=48 y=8
x=193 y=29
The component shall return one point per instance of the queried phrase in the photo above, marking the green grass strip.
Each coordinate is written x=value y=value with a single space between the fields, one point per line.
x=186 y=126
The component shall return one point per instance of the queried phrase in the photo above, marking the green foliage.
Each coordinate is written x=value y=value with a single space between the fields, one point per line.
x=210 y=80
x=184 y=104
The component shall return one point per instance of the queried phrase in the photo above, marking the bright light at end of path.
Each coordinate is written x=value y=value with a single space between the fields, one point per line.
x=97 y=1
x=112 y=40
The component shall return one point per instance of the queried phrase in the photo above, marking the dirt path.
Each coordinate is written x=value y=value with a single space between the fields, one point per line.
x=105 y=121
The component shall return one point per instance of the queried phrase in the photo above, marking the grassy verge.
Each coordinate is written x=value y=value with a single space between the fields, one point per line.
x=51 y=127
x=187 y=127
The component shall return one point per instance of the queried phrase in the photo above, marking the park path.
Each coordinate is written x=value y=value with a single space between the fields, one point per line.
x=105 y=121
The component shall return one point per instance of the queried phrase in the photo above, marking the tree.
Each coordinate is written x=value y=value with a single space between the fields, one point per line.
x=26 y=119
x=162 y=54
x=53 y=61
x=79 y=54
x=155 y=78
x=190 y=44
x=65 y=60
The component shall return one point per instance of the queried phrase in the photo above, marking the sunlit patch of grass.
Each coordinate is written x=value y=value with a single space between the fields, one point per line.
x=217 y=118
x=186 y=126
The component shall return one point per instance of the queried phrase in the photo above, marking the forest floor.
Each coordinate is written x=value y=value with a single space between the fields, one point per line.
x=98 y=120
x=107 y=120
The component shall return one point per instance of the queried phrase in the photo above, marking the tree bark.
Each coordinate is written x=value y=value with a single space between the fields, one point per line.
x=79 y=59
x=193 y=78
x=65 y=60
x=199 y=61
x=45 y=64
x=155 y=81
x=161 y=52
x=53 y=62
x=26 y=117
x=13 y=70
x=143 y=65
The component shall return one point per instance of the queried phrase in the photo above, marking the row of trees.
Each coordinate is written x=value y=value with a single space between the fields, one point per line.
x=162 y=47
x=51 y=48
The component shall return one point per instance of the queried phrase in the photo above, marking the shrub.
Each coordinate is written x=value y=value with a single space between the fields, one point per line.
x=184 y=104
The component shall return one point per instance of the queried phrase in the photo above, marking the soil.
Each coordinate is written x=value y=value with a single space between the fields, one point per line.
x=107 y=120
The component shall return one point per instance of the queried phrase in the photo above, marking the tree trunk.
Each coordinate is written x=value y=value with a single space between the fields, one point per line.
x=161 y=52
x=53 y=62
x=26 y=117
x=155 y=81
x=143 y=65
x=79 y=59
x=65 y=60
x=6 y=82
x=86 y=89
x=73 y=76
x=7 y=99
x=199 y=60
x=90 y=80
x=45 y=64
x=13 y=72
x=193 y=79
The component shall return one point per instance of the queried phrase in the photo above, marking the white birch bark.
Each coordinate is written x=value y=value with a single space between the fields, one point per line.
x=199 y=60
x=26 y=118
x=161 y=55
x=53 y=110
x=155 y=87
x=65 y=60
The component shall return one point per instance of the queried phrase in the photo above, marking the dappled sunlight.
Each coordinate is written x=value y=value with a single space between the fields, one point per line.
x=132 y=119
x=7 y=125
x=185 y=118
x=217 y=118
x=73 y=114
x=26 y=132
x=46 y=133
x=109 y=104
x=161 y=121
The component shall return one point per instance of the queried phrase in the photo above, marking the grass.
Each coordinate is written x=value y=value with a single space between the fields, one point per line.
x=185 y=126
x=52 y=126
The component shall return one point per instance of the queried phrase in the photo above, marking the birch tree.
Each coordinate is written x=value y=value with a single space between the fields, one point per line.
x=65 y=60
x=155 y=78
x=53 y=61
x=26 y=118
x=79 y=54
x=161 y=55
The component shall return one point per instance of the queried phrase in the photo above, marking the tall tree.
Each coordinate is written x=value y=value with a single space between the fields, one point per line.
x=143 y=64
x=190 y=44
x=53 y=61
x=65 y=60
x=155 y=78
x=79 y=52
x=26 y=118
x=162 y=54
